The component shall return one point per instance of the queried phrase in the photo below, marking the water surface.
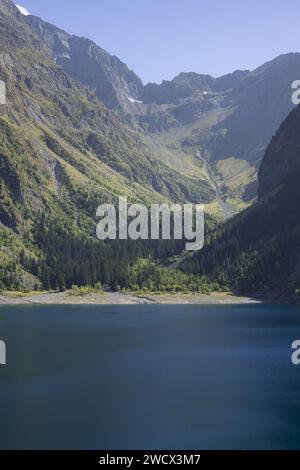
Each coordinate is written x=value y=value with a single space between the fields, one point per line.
x=149 y=377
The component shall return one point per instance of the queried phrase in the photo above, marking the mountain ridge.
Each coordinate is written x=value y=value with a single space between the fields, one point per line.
x=228 y=121
x=107 y=69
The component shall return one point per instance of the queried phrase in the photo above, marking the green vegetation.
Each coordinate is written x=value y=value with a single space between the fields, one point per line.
x=148 y=276
x=257 y=251
x=85 y=290
x=69 y=257
x=62 y=153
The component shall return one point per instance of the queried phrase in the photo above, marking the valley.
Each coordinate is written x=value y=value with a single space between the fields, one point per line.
x=80 y=129
x=226 y=120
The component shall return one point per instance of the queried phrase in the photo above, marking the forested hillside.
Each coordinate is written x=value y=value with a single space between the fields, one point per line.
x=258 y=250
x=62 y=153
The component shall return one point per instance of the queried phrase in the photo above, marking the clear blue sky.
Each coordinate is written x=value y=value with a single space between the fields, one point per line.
x=160 y=38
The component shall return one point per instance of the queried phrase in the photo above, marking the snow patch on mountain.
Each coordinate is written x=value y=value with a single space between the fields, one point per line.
x=132 y=100
x=23 y=10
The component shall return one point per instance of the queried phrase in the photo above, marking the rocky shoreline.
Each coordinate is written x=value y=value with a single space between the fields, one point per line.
x=120 y=298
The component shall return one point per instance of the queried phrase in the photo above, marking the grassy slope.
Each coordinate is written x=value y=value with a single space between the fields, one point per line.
x=61 y=151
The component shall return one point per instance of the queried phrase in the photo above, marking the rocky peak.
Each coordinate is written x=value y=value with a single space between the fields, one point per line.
x=54 y=38
x=230 y=80
x=114 y=84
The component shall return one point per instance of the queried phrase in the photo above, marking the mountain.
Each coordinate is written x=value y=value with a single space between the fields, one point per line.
x=80 y=129
x=63 y=152
x=114 y=84
x=213 y=129
x=258 y=250
x=282 y=157
x=224 y=123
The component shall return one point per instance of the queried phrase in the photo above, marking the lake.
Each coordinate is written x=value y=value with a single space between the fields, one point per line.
x=149 y=377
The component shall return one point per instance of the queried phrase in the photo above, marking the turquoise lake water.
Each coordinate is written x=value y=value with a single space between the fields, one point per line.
x=149 y=377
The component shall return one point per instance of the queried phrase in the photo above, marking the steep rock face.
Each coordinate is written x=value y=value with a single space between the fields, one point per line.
x=190 y=84
x=183 y=86
x=230 y=80
x=258 y=250
x=282 y=157
x=88 y=63
x=261 y=101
